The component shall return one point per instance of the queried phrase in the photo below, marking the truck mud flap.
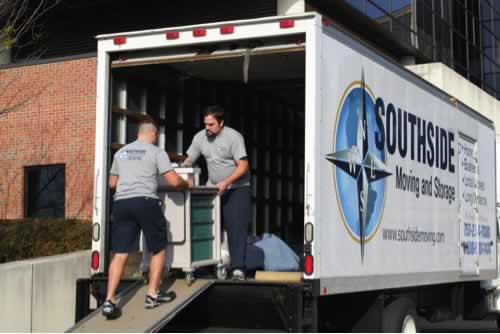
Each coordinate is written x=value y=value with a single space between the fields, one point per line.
x=135 y=318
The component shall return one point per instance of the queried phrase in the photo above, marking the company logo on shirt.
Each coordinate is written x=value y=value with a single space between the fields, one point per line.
x=131 y=154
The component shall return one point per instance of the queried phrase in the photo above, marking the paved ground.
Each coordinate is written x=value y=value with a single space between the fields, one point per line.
x=461 y=327
x=445 y=327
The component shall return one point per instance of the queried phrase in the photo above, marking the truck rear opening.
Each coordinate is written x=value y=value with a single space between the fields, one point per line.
x=261 y=85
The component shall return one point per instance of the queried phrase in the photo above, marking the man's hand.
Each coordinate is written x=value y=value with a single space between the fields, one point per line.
x=175 y=181
x=241 y=168
x=222 y=186
x=188 y=162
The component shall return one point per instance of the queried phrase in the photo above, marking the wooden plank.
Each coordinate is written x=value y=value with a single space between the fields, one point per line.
x=116 y=146
x=278 y=276
x=135 y=318
x=133 y=115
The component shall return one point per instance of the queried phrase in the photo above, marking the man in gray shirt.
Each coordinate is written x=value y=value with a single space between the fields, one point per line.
x=137 y=207
x=227 y=163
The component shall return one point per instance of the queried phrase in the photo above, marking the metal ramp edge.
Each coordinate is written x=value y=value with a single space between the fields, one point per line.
x=97 y=311
x=135 y=318
x=176 y=309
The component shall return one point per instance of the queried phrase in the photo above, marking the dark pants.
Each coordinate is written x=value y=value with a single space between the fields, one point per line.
x=236 y=215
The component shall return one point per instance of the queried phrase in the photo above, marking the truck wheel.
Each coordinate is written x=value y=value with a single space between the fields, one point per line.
x=400 y=317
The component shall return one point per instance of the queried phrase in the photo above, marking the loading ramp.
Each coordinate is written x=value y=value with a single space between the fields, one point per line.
x=135 y=318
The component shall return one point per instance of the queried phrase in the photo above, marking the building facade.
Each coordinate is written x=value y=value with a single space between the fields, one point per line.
x=47 y=139
x=47 y=107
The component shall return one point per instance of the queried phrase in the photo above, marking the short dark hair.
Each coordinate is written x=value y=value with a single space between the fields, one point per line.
x=216 y=111
x=147 y=120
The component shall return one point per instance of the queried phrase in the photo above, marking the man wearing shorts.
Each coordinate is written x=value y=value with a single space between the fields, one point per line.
x=137 y=207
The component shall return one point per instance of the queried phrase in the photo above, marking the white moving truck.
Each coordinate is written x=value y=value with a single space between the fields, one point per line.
x=384 y=184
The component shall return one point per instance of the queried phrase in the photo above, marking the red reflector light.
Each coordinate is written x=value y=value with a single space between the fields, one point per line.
x=199 y=32
x=172 y=35
x=287 y=23
x=95 y=260
x=308 y=265
x=226 y=30
x=120 y=40
x=325 y=22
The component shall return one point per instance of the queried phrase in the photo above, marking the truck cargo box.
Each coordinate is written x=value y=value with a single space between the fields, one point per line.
x=377 y=178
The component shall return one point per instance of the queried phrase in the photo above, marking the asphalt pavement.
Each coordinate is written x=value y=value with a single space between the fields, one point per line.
x=460 y=327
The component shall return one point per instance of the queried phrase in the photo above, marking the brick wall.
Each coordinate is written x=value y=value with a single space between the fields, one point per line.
x=50 y=120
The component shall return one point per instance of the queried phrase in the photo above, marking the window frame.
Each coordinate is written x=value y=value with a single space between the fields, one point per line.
x=26 y=200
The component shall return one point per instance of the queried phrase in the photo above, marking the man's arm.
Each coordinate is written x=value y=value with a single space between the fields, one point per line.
x=113 y=174
x=193 y=153
x=113 y=181
x=188 y=162
x=175 y=181
x=239 y=171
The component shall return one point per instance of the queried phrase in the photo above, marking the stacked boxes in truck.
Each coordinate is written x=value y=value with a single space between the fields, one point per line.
x=384 y=184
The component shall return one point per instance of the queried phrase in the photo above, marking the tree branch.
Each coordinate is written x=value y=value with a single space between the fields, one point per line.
x=18 y=17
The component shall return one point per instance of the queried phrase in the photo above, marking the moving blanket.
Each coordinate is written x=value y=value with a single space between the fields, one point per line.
x=271 y=254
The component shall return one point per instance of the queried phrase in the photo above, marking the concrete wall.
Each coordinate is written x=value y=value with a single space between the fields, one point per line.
x=289 y=7
x=39 y=295
x=457 y=86
x=15 y=297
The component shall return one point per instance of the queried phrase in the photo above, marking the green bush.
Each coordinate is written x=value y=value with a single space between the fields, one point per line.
x=31 y=238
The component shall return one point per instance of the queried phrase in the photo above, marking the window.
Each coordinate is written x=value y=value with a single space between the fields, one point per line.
x=44 y=191
x=358 y=4
x=460 y=51
x=375 y=13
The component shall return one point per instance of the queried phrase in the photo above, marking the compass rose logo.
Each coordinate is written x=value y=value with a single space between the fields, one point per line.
x=359 y=167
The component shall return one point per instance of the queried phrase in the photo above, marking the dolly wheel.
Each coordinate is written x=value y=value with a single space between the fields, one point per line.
x=190 y=278
x=400 y=317
x=221 y=272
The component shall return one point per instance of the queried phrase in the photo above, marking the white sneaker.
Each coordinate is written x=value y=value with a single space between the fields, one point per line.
x=238 y=275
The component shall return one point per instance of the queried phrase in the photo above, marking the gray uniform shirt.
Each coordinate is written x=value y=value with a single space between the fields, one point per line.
x=137 y=166
x=221 y=153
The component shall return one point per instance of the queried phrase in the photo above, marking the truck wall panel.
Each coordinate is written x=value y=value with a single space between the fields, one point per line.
x=374 y=177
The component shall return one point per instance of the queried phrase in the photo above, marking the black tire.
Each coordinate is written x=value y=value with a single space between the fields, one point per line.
x=498 y=324
x=396 y=313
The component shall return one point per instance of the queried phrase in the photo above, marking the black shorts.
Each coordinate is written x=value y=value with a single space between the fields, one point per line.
x=130 y=216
